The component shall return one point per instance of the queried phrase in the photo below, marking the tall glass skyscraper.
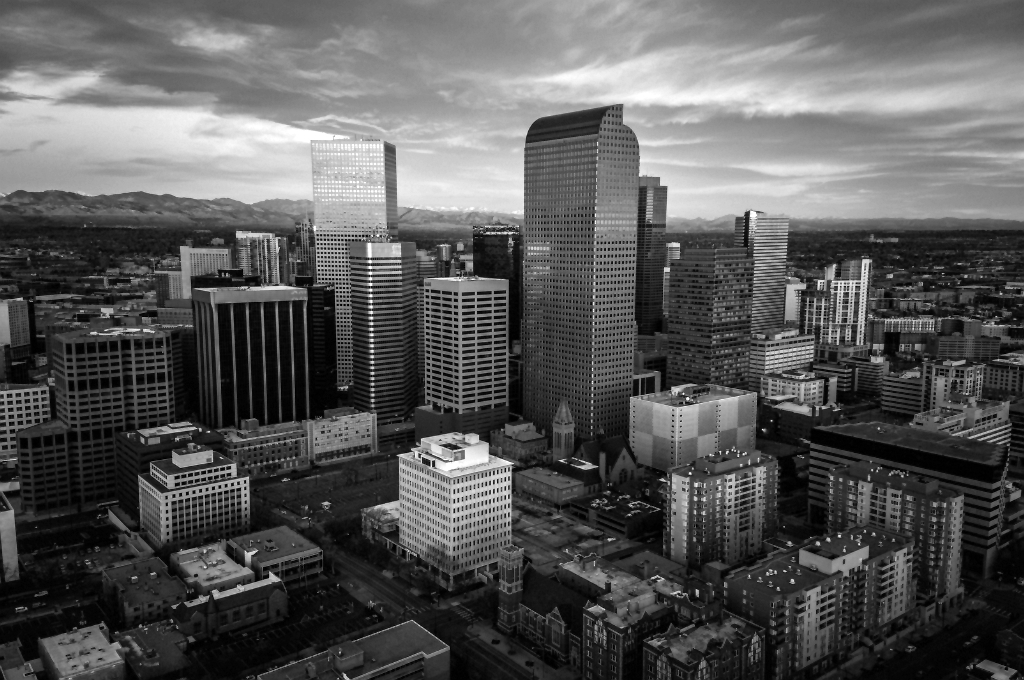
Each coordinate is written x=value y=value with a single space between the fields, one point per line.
x=579 y=268
x=355 y=198
x=498 y=254
x=767 y=238
x=650 y=254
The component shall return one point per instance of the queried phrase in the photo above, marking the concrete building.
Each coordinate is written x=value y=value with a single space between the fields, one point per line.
x=201 y=262
x=553 y=486
x=383 y=334
x=403 y=651
x=646 y=383
x=262 y=254
x=221 y=612
x=721 y=508
x=252 y=355
x=818 y=600
x=261 y=450
x=863 y=494
x=949 y=378
x=341 y=434
x=807 y=387
x=456 y=505
x=710 y=293
x=209 y=567
x=142 y=591
x=155 y=652
x=904 y=393
x=1016 y=462
x=784 y=419
x=563 y=433
x=466 y=321
x=21 y=406
x=136 y=449
x=521 y=443
x=15 y=323
x=1004 y=377
x=83 y=654
x=730 y=649
x=579 y=268
x=766 y=237
x=958 y=346
x=777 y=351
x=975 y=468
x=167 y=285
x=281 y=551
x=652 y=203
x=618 y=515
x=195 y=495
x=9 y=570
x=794 y=290
x=690 y=422
x=971 y=418
x=835 y=310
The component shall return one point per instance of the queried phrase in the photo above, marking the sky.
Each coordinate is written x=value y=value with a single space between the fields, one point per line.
x=862 y=108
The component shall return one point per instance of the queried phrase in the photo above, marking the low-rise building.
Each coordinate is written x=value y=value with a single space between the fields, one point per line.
x=807 y=387
x=618 y=515
x=154 y=652
x=842 y=373
x=784 y=419
x=521 y=443
x=83 y=654
x=267 y=449
x=280 y=551
x=256 y=604
x=730 y=649
x=141 y=592
x=970 y=418
x=550 y=486
x=381 y=520
x=208 y=568
x=342 y=434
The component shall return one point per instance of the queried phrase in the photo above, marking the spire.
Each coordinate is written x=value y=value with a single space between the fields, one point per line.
x=562 y=415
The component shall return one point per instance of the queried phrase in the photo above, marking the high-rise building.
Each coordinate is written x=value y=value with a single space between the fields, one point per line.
x=1016 y=463
x=15 y=323
x=766 y=237
x=262 y=254
x=579 y=268
x=253 y=360
x=498 y=254
x=167 y=285
x=8 y=542
x=21 y=406
x=689 y=422
x=103 y=385
x=652 y=202
x=776 y=351
x=673 y=250
x=455 y=503
x=194 y=497
x=383 y=335
x=305 y=249
x=465 y=342
x=709 y=317
x=721 y=508
x=794 y=290
x=904 y=392
x=835 y=310
x=200 y=262
x=355 y=198
x=323 y=347
x=867 y=495
x=950 y=380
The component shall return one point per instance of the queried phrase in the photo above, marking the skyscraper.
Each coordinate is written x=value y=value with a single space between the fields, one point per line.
x=253 y=360
x=579 y=268
x=201 y=261
x=836 y=310
x=383 y=285
x=323 y=360
x=650 y=254
x=465 y=356
x=355 y=198
x=767 y=239
x=498 y=254
x=709 y=317
x=305 y=249
x=261 y=254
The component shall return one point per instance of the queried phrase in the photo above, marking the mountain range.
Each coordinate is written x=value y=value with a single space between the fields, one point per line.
x=137 y=208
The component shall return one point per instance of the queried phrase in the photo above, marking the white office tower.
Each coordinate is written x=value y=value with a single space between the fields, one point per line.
x=836 y=310
x=199 y=262
x=455 y=505
x=465 y=346
x=766 y=238
x=195 y=496
x=355 y=198
x=259 y=254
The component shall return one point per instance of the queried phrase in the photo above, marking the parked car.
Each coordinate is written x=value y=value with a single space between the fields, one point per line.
x=42 y=593
x=20 y=610
x=911 y=649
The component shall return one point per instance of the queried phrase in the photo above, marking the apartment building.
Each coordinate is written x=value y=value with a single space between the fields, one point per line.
x=805 y=386
x=778 y=351
x=1004 y=377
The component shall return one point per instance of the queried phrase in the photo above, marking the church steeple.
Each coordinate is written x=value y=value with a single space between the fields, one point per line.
x=563 y=433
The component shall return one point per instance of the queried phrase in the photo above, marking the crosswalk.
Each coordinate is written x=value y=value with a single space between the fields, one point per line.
x=464 y=613
x=997 y=610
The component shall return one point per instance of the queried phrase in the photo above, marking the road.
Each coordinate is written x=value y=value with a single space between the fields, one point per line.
x=366 y=582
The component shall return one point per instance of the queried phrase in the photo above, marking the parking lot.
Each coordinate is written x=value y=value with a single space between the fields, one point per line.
x=348 y=489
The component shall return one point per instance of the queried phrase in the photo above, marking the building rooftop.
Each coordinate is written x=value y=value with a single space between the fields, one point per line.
x=900 y=479
x=617 y=505
x=566 y=125
x=549 y=477
x=599 y=573
x=275 y=543
x=799 y=376
x=208 y=565
x=925 y=442
x=85 y=649
x=691 y=643
x=170 y=467
x=723 y=462
x=250 y=431
x=646 y=564
x=146 y=581
x=154 y=651
x=688 y=395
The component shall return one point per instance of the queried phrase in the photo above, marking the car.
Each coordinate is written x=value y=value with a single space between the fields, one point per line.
x=20 y=610
x=88 y=564
x=911 y=649
x=286 y=479
x=96 y=549
x=42 y=593
x=63 y=557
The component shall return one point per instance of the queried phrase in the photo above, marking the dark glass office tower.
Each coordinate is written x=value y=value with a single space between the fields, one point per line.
x=579 y=269
x=650 y=254
x=767 y=239
x=253 y=360
x=323 y=376
x=498 y=254
x=709 y=317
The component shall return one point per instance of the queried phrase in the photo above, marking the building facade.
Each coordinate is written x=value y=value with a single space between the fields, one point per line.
x=775 y=351
x=280 y=551
x=498 y=254
x=835 y=310
x=652 y=204
x=766 y=237
x=342 y=434
x=971 y=418
x=1004 y=377
x=321 y=329
x=261 y=450
x=730 y=649
x=201 y=262
x=9 y=570
x=579 y=268
x=805 y=386
x=21 y=406
x=262 y=254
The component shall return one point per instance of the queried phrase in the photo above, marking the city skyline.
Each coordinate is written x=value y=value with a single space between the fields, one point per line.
x=907 y=111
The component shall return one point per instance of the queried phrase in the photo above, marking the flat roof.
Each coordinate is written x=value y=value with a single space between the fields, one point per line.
x=275 y=543
x=696 y=639
x=70 y=652
x=168 y=466
x=170 y=428
x=702 y=394
x=550 y=477
x=209 y=565
x=147 y=588
x=154 y=650
x=915 y=439
x=592 y=570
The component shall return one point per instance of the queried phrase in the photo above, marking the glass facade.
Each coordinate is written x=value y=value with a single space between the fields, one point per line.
x=579 y=268
x=767 y=239
x=650 y=254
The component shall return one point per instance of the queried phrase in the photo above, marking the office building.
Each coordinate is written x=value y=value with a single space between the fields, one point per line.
x=200 y=262
x=141 y=591
x=321 y=329
x=730 y=649
x=465 y=349
x=794 y=291
x=21 y=406
x=709 y=317
x=355 y=198
x=498 y=254
x=650 y=254
x=1004 y=377
x=835 y=310
x=646 y=383
x=970 y=418
x=195 y=496
x=134 y=450
x=776 y=351
x=721 y=508
x=804 y=386
x=766 y=238
x=673 y=250
x=262 y=254
x=383 y=328
x=341 y=434
x=253 y=360
x=579 y=268
x=83 y=654
x=280 y=551
x=958 y=346
x=175 y=313
x=305 y=251
x=167 y=285
x=456 y=506
x=975 y=468
x=261 y=450
x=8 y=542
x=207 y=568
x=1016 y=463
x=904 y=393
x=16 y=323
x=866 y=495
x=818 y=600
x=226 y=278
x=689 y=422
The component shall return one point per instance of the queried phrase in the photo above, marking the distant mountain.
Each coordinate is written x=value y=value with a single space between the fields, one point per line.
x=297 y=209
x=727 y=223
